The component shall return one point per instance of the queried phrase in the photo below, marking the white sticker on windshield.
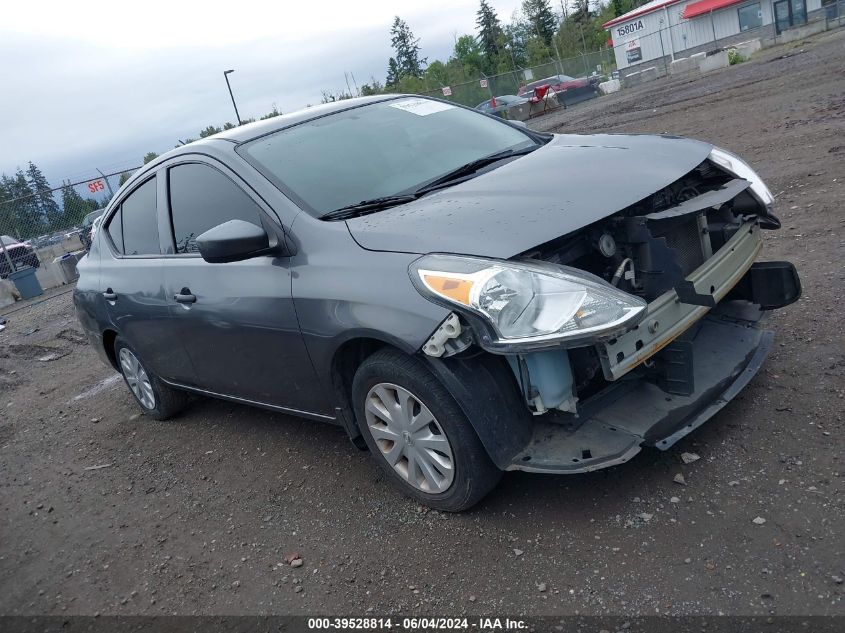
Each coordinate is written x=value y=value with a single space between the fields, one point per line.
x=421 y=107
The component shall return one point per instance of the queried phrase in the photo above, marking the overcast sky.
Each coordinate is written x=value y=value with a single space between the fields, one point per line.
x=97 y=83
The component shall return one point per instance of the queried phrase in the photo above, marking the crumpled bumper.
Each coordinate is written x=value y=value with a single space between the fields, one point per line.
x=613 y=426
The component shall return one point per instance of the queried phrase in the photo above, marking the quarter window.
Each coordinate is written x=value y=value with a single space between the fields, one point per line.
x=140 y=224
x=115 y=230
x=750 y=17
x=201 y=198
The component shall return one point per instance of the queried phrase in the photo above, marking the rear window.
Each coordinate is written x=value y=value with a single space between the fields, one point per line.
x=134 y=228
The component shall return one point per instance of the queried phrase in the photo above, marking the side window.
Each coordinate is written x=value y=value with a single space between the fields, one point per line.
x=201 y=198
x=140 y=224
x=115 y=229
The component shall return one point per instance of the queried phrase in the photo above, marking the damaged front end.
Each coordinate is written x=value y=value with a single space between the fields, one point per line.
x=674 y=333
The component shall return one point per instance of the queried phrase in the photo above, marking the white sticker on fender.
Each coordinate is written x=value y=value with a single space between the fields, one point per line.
x=421 y=107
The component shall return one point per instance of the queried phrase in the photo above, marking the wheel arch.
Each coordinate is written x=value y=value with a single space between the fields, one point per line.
x=109 y=337
x=345 y=362
x=483 y=387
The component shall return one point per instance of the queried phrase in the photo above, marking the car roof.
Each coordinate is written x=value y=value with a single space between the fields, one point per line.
x=250 y=131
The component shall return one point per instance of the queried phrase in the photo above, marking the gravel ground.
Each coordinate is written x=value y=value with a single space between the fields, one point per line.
x=197 y=515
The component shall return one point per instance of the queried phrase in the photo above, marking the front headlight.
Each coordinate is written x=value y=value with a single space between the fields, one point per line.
x=739 y=168
x=528 y=305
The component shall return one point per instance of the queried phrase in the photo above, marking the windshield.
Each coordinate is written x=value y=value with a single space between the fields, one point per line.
x=377 y=150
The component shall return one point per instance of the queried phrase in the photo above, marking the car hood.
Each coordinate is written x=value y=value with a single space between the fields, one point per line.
x=572 y=181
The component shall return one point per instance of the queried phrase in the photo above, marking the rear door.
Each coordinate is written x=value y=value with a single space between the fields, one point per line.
x=240 y=330
x=132 y=286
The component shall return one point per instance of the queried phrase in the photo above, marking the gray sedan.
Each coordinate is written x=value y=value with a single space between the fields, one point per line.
x=409 y=270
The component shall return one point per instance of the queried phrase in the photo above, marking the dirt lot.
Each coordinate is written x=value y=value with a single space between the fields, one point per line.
x=196 y=515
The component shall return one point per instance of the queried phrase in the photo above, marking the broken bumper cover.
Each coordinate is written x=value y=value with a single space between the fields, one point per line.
x=614 y=426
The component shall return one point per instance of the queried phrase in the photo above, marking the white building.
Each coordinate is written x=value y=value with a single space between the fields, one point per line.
x=677 y=28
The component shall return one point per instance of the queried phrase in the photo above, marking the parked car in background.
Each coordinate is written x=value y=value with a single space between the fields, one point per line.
x=566 y=88
x=43 y=241
x=22 y=256
x=87 y=227
x=500 y=106
x=92 y=232
x=441 y=301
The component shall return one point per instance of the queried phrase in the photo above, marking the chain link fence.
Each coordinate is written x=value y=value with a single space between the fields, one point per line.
x=44 y=232
x=652 y=51
x=474 y=91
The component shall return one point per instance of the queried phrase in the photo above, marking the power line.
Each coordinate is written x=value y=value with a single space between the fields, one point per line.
x=72 y=184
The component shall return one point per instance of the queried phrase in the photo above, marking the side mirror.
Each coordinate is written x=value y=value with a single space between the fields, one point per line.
x=233 y=241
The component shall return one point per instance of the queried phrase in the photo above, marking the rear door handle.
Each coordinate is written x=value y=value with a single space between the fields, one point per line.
x=110 y=295
x=185 y=296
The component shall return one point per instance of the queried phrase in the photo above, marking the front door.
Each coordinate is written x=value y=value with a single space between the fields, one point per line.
x=789 y=13
x=238 y=326
x=132 y=285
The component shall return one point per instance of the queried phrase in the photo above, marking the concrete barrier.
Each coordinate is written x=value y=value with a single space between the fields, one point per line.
x=640 y=76
x=8 y=293
x=49 y=275
x=520 y=112
x=747 y=49
x=714 y=62
x=683 y=65
x=800 y=32
x=609 y=86
x=57 y=250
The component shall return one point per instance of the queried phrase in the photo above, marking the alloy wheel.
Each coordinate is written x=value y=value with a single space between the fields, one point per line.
x=137 y=378
x=410 y=438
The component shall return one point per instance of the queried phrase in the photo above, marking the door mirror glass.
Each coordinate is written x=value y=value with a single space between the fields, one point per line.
x=233 y=241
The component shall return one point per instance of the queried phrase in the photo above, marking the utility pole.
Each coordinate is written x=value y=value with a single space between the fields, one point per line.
x=108 y=184
x=228 y=85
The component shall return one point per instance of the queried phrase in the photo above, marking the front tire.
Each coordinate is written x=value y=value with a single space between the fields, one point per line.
x=156 y=399
x=418 y=434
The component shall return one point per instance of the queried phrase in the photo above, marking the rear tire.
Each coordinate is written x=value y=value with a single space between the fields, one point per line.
x=418 y=434
x=156 y=399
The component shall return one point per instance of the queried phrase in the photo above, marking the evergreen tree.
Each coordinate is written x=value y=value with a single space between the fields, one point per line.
x=149 y=157
x=541 y=18
x=5 y=206
x=393 y=74
x=516 y=34
x=407 y=49
x=489 y=31
x=43 y=200
x=73 y=206
x=26 y=216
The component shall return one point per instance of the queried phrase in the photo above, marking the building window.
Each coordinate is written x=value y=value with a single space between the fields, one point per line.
x=750 y=17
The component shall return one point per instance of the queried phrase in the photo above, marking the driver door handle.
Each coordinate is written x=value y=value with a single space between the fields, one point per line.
x=185 y=296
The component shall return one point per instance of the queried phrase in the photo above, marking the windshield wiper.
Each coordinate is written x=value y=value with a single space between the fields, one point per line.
x=384 y=202
x=365 y=206
x=471 y=167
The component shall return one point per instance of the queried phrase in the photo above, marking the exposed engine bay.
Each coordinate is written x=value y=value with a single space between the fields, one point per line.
x=682 y=250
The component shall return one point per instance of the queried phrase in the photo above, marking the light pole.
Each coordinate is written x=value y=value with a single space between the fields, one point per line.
x=228 y=85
